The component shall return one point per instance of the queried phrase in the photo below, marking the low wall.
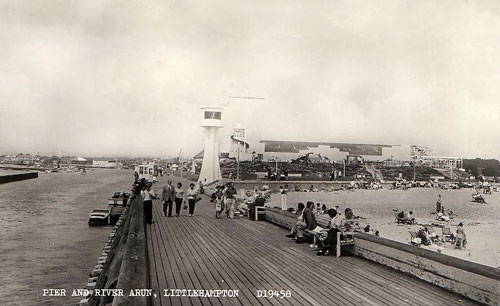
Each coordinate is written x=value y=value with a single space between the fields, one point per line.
x=134 y=271
x=17 y=177
x=125 y=265
x=474 y=281
x=275 y=185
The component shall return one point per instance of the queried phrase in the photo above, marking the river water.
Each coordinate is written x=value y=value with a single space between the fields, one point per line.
x=45 y=240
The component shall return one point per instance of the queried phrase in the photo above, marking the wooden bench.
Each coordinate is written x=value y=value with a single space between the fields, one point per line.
x=344 y=242
x=287 y=220
x=259 y=210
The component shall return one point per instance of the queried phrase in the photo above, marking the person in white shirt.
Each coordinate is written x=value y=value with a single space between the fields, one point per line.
x=299 y=222
x=283 y=192
x=179 y=198
x=335 y=222
x=192 y=195
x=147 y=204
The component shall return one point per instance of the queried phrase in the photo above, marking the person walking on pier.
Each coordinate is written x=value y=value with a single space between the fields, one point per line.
x=179 y=198
x=192 y=196
x=168 y=197
x=147 y=204
x=230 y=200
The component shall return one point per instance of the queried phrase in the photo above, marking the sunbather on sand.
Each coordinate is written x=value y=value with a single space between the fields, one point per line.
x=424 y=235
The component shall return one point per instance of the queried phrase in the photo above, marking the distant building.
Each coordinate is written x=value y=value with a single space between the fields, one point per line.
x=21 y=159
x=441 y=162
x=288 y=150
x=80 y=161
x=104 y=164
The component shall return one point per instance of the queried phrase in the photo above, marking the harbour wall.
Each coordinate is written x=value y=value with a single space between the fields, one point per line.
x=14 y=177
x=123 y=262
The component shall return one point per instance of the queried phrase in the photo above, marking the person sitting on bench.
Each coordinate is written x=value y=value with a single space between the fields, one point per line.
x=260 y=200
x=334 y=219
x=336 y=225
x=300 y=220
x=350 y=223
x=309 y=220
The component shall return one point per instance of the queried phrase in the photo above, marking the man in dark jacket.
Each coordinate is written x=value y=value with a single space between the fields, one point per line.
x=309 y=220
x=168 y=197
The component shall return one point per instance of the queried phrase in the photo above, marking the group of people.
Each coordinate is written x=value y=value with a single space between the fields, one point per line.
x=427 y=236
x=324 y=239
x=175 y=194
x=405 y=218
x=170 y=195
x=228 y=204
x=225 y=200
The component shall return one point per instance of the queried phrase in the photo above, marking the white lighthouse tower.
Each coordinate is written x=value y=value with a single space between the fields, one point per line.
x=212 y=122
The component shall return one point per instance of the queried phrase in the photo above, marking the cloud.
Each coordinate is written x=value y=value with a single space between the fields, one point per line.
x=96 y=76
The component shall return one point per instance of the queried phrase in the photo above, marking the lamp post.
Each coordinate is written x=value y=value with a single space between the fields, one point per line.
x=414 y=167
x=238 y=165
x=276 y=168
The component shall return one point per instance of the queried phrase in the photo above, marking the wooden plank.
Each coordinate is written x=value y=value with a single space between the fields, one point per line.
x=428 y=285
x=278 y=276
x=203 y=252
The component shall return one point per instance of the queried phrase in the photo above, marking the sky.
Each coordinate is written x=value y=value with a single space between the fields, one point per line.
x=121 y=78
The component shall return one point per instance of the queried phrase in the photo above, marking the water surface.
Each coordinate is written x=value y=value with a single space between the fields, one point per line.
x=45 y=240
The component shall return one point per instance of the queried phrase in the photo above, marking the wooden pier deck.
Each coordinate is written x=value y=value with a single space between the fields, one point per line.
x=203 y=252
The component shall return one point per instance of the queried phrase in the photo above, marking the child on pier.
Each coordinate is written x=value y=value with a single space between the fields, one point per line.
x=219 y=206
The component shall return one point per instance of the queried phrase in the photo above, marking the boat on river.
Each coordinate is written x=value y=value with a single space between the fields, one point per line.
x=99 y=217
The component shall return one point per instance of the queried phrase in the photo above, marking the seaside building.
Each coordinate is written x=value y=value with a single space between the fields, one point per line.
x=441 y=162
x=104 y=164
x=21 y=159
x=288 y=150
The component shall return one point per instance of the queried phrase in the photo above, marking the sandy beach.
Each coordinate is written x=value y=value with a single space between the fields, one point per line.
x=481 y=220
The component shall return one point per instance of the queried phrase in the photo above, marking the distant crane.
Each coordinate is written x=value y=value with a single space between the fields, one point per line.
x=179 y=161
x=179 y=156
x=246 y=98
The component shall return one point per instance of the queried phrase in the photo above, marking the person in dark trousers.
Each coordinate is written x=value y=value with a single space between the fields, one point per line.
x=229 y=199
x=330 y=242
x=179 y=198
x=260 y=200
x=147 y=204
x=192 y=196
x=309 y=220
x=168 y=197
x=335 y=225
x=139 y=186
